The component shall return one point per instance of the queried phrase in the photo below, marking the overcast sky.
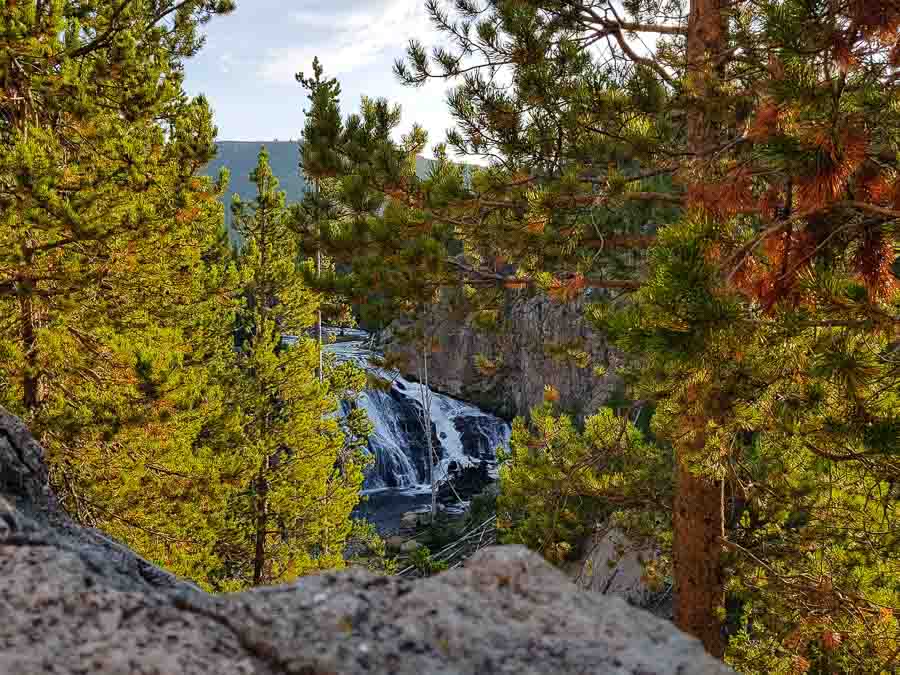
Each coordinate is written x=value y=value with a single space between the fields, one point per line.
x=247 y=68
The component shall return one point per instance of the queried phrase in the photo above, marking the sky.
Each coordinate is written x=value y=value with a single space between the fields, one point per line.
x=247 y=67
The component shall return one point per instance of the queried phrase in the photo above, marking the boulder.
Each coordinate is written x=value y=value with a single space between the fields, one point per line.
x=73 y=601
x=612 y=564
x=410 y=546
x=394 y=543
x=409 y=521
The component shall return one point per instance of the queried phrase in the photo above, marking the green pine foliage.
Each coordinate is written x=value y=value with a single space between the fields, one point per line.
x=559 y=481
x=147 y=359
x=113 y=279
x=320 y=165
x=376 y=255
x=727 y=195
x=806 y=404
x=299 y=470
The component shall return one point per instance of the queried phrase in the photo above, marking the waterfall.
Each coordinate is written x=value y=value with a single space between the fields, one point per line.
x=462 y=434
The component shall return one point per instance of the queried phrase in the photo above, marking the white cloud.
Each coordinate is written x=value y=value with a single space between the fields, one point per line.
x=356 y=38
x=320 y=20
x=226 y=60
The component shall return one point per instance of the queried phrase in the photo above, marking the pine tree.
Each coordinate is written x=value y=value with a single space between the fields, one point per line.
x=320 y=159
x=112 y=296
x=161 y=484
x=559 y=481
x=749 y=157
x=353 y=165
x=298 y=477
x=87 y=164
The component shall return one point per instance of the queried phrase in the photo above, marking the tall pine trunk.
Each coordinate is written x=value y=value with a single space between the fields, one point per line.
x=698 y=514
x=318 y=277
x=699 y=525
x=32 y=378
x=425 y=396
x=262 y=523
x=431 y=452
x=319 y=319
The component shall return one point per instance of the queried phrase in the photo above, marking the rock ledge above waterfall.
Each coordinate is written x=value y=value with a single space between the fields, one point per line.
x=527 y=348
x=73 y=601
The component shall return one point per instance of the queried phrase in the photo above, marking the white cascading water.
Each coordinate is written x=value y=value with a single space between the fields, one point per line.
x=464 y=435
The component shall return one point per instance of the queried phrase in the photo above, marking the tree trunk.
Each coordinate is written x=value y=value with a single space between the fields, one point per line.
x=431 y=452
x=32 y=380
x=262 y=523
x=318 y=277
x=705 y=40
x=698 y=516
x=699 y=526
x=319 y=319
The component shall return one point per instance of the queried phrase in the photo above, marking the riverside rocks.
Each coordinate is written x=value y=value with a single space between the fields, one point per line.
x=73 y=601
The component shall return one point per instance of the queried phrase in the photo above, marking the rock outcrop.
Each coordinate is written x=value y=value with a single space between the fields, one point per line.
x=72 y=601
x=533 y=345
x=612 y=564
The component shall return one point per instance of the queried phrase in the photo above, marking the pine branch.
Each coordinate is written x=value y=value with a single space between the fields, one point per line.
x=477 y=275
x=101 y=40
x=602 y=200
x=632 y=26
x=620 y=241
x=735 y=263
x=868 y=208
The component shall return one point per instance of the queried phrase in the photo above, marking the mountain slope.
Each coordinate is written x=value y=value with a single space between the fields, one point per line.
x=239 y=157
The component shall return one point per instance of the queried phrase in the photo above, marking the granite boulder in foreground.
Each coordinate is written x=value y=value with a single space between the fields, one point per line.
x=73 y=601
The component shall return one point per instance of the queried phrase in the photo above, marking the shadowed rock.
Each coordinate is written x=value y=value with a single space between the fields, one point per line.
x=73 y=601
x=529 y=349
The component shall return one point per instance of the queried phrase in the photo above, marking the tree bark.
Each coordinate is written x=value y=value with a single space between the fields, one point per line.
x=32 y=379
x=705 y=41
x=698 y=514
x=319 y=319
x=425 y=396
x=431 y=452
x=262 y=523
x=319 y=276
x=699 y=525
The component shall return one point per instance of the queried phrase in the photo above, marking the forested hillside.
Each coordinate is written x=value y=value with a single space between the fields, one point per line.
x=239 y=158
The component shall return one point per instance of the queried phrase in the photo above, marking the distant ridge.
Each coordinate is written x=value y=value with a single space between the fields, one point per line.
x=239 y=157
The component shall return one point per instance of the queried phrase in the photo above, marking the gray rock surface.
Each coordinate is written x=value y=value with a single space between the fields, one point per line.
x=531 y=329
x=612 y=564
x=72 y=601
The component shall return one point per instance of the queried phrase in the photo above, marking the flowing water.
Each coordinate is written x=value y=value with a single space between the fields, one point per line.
x=462 y=435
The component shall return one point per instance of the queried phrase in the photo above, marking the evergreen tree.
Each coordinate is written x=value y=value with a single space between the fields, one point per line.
x=752 y=150
x=162 y=482
x=112 y=290
x=319 y=160
x=559 y=482
x=298 y=477
x=100 y=146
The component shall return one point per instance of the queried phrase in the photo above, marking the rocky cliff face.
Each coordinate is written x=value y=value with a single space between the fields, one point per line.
x=72 y=601
x=537 y=342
